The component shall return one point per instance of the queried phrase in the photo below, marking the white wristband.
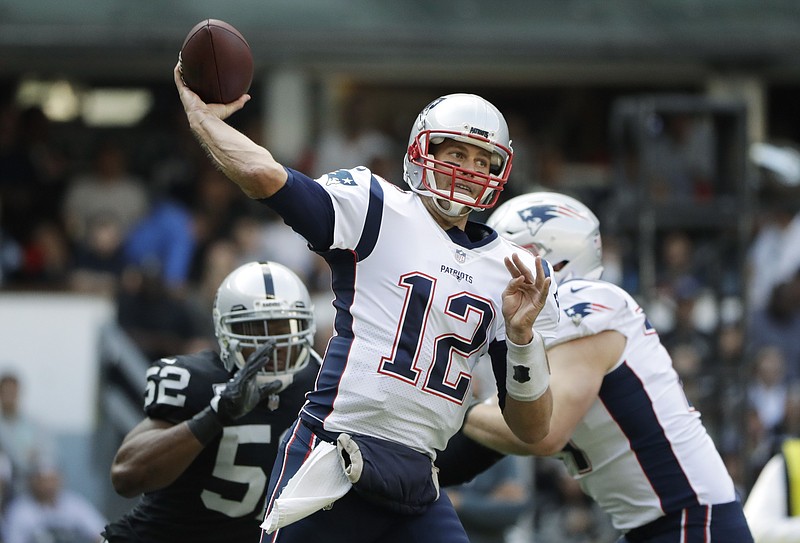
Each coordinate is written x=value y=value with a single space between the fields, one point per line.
x=527 y=370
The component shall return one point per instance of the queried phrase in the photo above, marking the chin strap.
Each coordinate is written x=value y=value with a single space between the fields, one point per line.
x=453 y=209
x=234 y=357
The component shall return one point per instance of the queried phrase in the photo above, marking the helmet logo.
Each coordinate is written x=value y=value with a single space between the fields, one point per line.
x=432 y=105
x=577 y=312
x=535 y=216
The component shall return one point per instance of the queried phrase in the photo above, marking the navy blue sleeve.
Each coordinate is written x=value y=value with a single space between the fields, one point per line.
x=306 y=207
x=498 y=352
x=463 y=459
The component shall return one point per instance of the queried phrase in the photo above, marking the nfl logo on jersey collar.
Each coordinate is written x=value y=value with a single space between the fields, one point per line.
x=460 y=255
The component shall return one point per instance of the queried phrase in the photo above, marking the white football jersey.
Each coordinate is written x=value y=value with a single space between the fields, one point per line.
x=641 y=451
x=416 y=308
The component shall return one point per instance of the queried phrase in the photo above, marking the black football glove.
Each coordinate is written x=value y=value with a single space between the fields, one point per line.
x=242 y=393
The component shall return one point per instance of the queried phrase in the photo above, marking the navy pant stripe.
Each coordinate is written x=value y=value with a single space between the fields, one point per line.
x=722 y=523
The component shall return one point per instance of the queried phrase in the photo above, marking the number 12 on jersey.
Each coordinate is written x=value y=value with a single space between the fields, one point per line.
x=412 y=327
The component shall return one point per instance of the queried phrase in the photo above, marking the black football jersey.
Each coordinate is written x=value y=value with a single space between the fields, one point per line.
x=221 y=495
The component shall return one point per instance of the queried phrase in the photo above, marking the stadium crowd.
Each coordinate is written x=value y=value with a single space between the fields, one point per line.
x=150 y=224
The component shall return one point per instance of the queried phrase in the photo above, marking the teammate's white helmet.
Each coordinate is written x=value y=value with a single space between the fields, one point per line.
x=259 y=301
x=558 y=227
x=470 y=119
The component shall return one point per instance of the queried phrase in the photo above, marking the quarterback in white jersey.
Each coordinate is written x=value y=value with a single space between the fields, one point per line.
x=421 y=295
x=394 y=348
x=621 y=422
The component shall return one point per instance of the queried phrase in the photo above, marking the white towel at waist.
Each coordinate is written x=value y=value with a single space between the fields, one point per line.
x=318 y=483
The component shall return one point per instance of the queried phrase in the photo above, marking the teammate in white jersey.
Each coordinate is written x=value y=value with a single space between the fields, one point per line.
x=773 y=504
x=621 y=422
x=421 y=294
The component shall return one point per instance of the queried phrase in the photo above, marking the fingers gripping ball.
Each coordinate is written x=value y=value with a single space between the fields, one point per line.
x=216 y=62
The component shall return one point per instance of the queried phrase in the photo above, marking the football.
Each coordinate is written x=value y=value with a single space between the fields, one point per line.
x=216 y=62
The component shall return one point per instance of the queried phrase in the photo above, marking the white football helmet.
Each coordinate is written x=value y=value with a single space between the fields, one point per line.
x=470 y=119
x=558 y=227
x=259 y=301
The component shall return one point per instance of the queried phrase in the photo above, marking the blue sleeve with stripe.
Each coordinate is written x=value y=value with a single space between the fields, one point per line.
x=306 y=207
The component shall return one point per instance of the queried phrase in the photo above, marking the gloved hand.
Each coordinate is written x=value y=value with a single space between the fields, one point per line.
x=242 y=393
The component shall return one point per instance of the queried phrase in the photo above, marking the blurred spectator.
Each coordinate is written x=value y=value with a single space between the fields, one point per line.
x=50 y=513
x=730 y=347
x=216 y=205
x=526 y=160
x=47 y=162
x=97 y=262
x=778 y=325
x=168 y=150
x=550 y=170
x=492 y=503
x=355 y=141
x=158 y=321
x=776 y=242
x=163 y=238
x=32 y=170
x=11 y=257
x=24 y=439
x=47 y=257
x=683 y=301
x=109 y=189
x=246 y=234
x=678 y=258
x=221 y=258
x=694 y=346
x=731 y=406
x=678 y=160
x=773 y=404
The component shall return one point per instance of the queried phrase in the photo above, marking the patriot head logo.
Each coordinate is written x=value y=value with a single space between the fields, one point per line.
x=577 y=312
x=340 y=177
x=535 y=216
x=432 y=105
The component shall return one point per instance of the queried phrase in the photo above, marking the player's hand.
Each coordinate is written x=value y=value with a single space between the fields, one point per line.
x=242 y=393
x=192 y=103
x=523 y=299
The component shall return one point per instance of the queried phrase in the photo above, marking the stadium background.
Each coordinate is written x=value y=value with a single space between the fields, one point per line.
x=589 y=79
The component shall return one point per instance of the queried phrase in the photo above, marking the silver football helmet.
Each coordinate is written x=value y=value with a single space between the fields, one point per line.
x=259 y=301
x=466 y=118
x=558 y=227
